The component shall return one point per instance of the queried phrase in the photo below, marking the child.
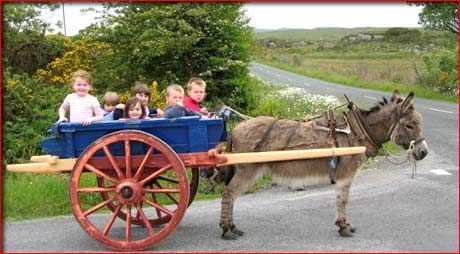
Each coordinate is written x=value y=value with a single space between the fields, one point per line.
x=134 y=109
x=196 y=92
x=109 y=102
x=84 y=108
x=175 y=108
x=142 y=91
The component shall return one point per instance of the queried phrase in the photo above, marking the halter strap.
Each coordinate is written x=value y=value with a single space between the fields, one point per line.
x=361 y=129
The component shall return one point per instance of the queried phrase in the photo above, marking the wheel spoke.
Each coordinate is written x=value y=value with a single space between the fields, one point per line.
x=144 y=161
x=112 y=219
x=144 y=218
x=113 y=162
x=128 y=159
x=128 y=224
x=156 y=209
x=167 y=179
x=161 y=190
x=167 y=194
x=155 y=174
x=97 y=207
x=96 y=189
x=100 y=173
x=158 y=206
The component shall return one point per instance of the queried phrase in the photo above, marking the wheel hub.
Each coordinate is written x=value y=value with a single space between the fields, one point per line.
x=128 y=192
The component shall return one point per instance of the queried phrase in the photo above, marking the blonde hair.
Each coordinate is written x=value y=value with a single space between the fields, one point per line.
x=83 y=75
x=174 y=87
x=110 y=98
x=195 y=81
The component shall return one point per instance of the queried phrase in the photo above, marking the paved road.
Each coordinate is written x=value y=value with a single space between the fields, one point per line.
x=392 y=211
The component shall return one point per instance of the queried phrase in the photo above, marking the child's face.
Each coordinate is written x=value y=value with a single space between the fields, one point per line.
x=174 y=97
x=135 y=112
x=81 y=86
x=109 y=107
x=196 y=93
x=143 y=97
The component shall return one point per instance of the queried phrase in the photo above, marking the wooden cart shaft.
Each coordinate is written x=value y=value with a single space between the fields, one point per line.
x=52 y=164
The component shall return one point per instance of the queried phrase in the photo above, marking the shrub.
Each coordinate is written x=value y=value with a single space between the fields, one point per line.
x=439 y=71
x=32 y=107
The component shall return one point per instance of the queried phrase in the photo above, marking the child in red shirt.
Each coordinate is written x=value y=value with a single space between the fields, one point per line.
x=196 y=92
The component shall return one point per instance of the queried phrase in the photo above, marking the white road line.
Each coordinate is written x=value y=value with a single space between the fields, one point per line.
x=370 y=97
x=440 y=172
x=440 y=110
x=306 y=84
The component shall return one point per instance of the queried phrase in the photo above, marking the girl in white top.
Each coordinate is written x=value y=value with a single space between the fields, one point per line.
x=84 y=108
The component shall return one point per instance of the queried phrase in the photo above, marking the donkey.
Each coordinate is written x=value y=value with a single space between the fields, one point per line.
x=394 y=120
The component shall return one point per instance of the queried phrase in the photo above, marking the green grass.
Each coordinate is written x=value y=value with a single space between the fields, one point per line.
x=356 y=82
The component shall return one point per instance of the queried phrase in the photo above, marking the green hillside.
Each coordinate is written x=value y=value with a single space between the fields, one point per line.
x=316 y=34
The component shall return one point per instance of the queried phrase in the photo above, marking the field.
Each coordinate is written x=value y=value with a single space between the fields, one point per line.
x=407 y=59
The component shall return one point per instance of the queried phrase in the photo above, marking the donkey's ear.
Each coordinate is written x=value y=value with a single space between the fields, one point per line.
x=396 y=94
x=407 y=102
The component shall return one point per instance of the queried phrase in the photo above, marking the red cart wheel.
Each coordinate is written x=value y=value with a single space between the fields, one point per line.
x=151 y=187
x=195 y=181
x=193 y=186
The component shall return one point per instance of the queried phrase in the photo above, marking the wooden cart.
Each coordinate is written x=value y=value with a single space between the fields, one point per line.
x=145 y=172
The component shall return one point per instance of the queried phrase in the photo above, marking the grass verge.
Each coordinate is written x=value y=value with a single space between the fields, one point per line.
x=354 y=82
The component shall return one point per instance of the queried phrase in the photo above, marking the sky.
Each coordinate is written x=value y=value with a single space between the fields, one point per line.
x=282 y=15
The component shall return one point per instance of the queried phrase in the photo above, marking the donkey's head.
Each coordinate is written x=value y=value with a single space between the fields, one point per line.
x=398 y=121
x=406 y=130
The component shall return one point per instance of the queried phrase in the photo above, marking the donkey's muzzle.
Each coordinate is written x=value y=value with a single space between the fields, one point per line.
x=420 y=150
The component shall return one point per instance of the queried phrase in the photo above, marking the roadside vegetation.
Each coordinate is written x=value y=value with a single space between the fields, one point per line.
x=216 y=44
x=416 y=60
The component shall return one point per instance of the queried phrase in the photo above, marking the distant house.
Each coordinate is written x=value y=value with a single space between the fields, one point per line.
x=362 y=37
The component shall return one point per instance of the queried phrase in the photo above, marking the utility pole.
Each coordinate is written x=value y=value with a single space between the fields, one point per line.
x=63 y=18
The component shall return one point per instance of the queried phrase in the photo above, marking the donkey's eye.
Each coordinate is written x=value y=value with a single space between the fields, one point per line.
x=410 y=127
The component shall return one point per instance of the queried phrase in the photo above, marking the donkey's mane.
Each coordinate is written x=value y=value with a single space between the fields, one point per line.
x=378 y=106
x=383 y=103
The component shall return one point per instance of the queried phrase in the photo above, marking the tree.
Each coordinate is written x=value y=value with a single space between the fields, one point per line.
x=26 y=48
x=171 y=43
x=439 y=15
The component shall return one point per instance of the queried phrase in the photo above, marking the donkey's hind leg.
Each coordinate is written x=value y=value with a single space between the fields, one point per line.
x=244 y=176
x=343 y=190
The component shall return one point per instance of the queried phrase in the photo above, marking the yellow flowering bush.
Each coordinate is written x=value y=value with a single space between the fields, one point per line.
x=81 y=55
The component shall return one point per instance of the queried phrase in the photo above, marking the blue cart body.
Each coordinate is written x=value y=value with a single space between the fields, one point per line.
x=183 y=135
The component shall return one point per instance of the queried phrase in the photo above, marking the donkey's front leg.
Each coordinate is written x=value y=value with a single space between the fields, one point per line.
x=243 y=177
x=343 y=190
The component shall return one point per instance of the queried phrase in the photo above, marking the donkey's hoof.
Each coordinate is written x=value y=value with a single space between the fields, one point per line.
x=229 y=235
x=345 y=232
x=237 y=231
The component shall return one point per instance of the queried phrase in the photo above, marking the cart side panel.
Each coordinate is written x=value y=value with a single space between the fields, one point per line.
x=184 y=135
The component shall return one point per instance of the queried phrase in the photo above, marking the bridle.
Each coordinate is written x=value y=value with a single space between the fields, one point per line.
x=398 y=122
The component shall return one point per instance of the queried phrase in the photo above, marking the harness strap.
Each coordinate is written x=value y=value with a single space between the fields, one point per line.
x=356 y=124
x=265 y=136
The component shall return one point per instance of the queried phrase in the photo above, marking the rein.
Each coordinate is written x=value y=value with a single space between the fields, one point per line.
x=409 y=157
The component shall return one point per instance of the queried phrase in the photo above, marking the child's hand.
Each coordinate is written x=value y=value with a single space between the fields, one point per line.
x=160 y=112
x=62 y=119
x=87 y=121
x=204 y=111
x=121 y=106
